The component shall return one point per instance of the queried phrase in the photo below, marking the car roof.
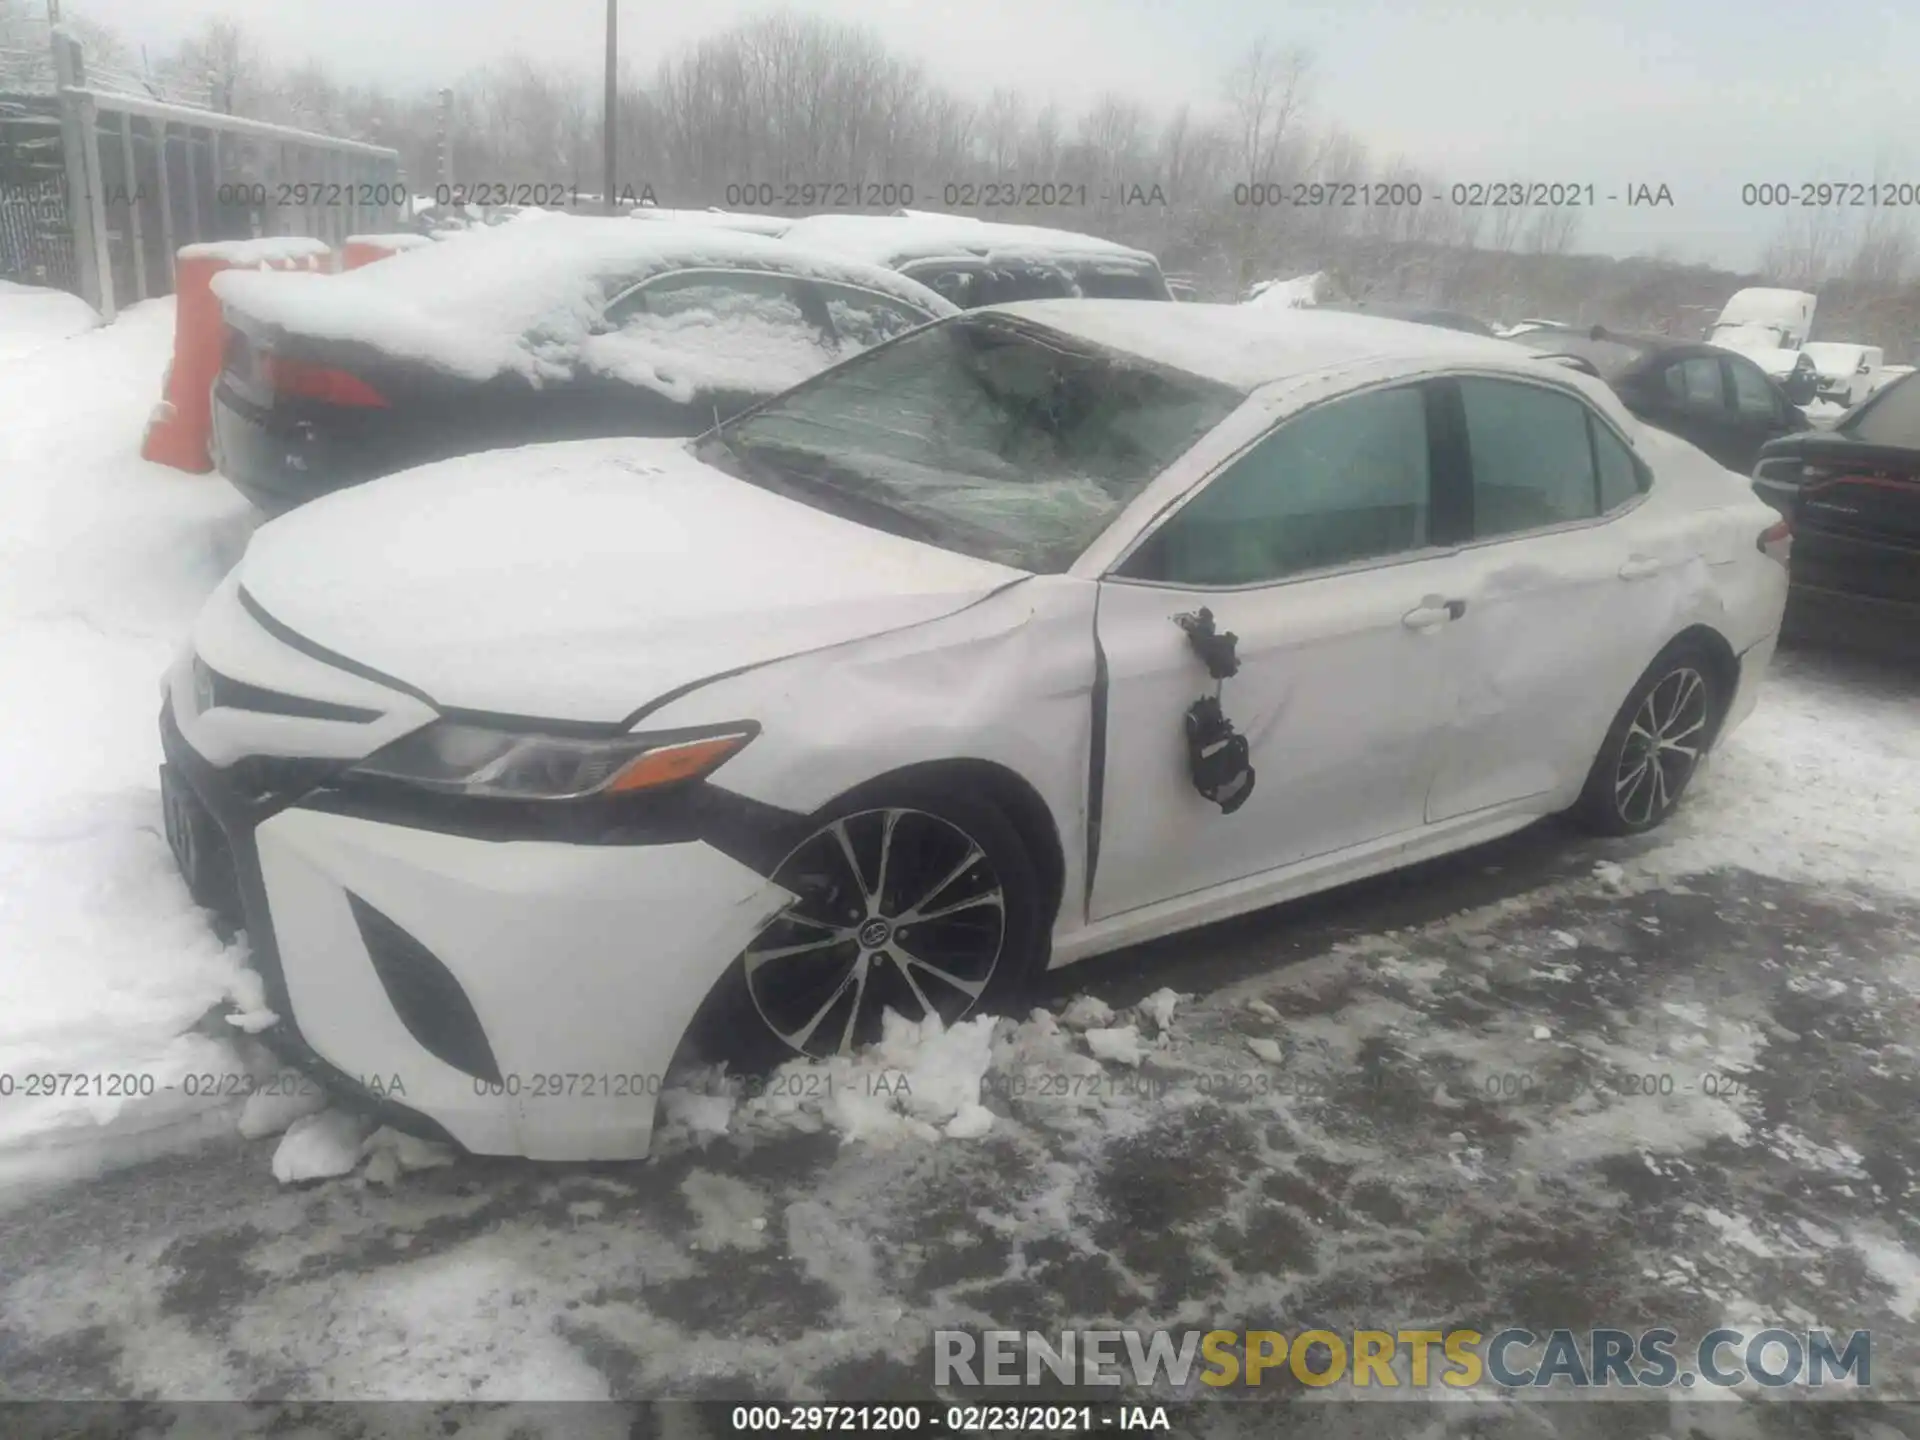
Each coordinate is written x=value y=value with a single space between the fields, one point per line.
x=1247 y=346
x=894 y=240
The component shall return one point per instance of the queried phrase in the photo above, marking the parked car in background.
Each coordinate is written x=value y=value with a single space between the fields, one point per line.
x=1417 y=315
x=1852 y=495
x=884 y=695
x=1718 y=399
x=1183 y=288
x=537 y=329
x=1847 y=372
x=980 y=262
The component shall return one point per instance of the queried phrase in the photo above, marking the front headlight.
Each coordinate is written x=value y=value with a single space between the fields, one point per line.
x=464 y=759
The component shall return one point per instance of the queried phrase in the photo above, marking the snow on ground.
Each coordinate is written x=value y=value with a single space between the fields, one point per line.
x=32 y=316
x=105 y=964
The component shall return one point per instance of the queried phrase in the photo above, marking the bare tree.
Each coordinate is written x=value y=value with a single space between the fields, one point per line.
x=1266 y=92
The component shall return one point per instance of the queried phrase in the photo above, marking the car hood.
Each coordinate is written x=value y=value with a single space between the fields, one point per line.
x=582 y=581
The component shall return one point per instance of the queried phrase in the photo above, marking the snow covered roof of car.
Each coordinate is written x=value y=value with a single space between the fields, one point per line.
x=923 y=235
x=521 y=296
x=774 y=225
x=1837 y=357
x=1248 y=346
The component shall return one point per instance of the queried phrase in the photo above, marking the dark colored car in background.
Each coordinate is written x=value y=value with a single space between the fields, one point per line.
x=541 y=328
x=1714 y=398
x=1852 y=495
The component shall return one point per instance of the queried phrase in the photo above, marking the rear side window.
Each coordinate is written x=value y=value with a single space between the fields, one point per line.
x=701 y=332
x=962 y=285
x=864 y=318
x=1621 y=476
x=1752 y=395
x=1343 y=482
x=1533 y=462
x=1695 y=385
x=1117 y=284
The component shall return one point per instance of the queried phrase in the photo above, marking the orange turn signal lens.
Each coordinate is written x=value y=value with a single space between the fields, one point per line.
x=668 y=763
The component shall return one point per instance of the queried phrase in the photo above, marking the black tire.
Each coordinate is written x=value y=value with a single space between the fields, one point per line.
x=1655 y=745
x=763 y=1002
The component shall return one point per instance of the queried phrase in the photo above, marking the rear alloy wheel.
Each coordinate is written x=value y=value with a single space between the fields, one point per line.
x=925 y=905
x=1654 y=747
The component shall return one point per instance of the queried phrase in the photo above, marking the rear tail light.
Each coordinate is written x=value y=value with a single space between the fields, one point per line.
x=1776 y=542
x=318 y=382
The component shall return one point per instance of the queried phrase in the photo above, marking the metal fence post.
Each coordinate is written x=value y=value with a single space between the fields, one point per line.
x=131 y=174
x=66 y=70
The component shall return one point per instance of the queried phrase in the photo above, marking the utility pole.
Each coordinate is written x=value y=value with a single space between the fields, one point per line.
x=613 y=97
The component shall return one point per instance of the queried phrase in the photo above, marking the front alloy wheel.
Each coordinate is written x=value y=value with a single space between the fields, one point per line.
x=897 y=909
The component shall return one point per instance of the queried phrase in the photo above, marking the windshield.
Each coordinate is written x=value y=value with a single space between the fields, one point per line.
x=986 y=435
x=1891 y=417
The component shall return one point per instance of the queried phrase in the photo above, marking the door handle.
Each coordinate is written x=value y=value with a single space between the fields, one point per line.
x=1639 y=567
x=1433 y=612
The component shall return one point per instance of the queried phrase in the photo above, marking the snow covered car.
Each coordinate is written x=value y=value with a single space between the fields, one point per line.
x=1718 y=399
x=544 y=328
x=1848 y=372
x=983 y=262
x=900 y=689
x=1852 y=495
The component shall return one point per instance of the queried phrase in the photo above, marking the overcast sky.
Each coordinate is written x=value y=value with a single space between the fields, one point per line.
x=1701 y=95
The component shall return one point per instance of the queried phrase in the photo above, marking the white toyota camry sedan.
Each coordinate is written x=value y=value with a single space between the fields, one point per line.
x=1035 y=632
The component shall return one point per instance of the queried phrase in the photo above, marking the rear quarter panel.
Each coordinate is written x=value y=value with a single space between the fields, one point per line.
x=1711 y=513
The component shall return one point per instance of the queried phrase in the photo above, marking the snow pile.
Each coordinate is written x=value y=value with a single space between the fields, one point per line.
x=105 y=963
x=32 y=316
x=919 y=1081
x=327 y=1143
x=518 y=298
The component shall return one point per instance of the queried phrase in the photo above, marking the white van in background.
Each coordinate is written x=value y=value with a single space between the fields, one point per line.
x=1762 y=318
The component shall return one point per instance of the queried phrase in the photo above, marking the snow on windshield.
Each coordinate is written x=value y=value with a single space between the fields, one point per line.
x=998 y=442
x=517 y=298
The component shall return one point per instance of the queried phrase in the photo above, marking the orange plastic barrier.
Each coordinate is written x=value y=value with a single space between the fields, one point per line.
x=365 y=249
x=181 y=424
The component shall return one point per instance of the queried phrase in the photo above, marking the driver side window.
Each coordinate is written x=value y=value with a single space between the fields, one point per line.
x=1343 y=482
